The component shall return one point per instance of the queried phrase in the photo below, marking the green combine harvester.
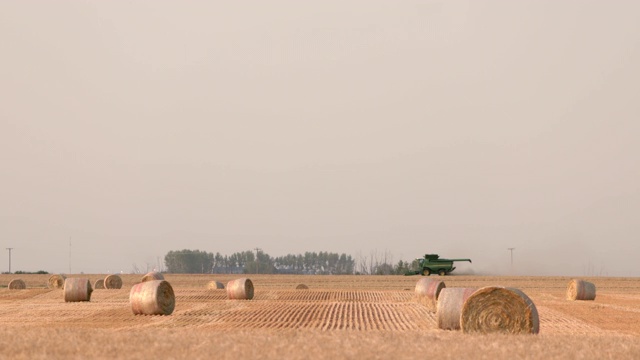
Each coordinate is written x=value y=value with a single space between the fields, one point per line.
x=432 y=264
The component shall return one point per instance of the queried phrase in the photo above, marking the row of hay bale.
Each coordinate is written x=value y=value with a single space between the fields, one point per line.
x=151 y=296
x=491 y=309
x=80 y=289
x=114 y=282
x=110 y=282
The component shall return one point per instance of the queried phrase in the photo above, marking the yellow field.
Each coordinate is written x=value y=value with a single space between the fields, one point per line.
x=338 y=317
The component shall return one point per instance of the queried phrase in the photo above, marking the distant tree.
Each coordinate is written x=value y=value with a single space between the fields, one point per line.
x=248 y=262
x=188 y=262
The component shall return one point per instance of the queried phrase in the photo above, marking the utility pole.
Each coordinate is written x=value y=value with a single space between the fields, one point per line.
x=511 y=250
x=69 y=254
x=9 y=259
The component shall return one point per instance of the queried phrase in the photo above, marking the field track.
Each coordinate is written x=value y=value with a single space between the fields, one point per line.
x=369 y=305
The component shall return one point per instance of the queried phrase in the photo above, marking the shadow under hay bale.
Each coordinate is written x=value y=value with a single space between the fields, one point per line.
x=113 y=282
x=240 y=289
x=154 y=275
x=17 y=284
x=56 y=281
x=302 y=287
x=495 y=309
x=214 y=285
x=427 y=292
x=154 y=297
x=581 y=290
x=99 y=284
x=77 y=289
x=449 y=308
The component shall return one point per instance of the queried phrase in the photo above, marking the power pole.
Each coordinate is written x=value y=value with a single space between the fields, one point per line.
x=9 y=259
x=511 y=250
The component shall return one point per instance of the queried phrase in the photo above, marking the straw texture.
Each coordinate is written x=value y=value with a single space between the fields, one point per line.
x=77 y=289
x=427 y=292
x=56 y=281
x=495 y=309
x=155 y=297
x=581 y=290
x=450 y=304
x=17 y=284
x=240 y=289
x=113 y=282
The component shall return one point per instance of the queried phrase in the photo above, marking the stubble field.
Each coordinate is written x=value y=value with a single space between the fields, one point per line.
x=337 y=317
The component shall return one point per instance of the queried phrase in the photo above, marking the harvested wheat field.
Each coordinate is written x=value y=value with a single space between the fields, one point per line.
x=338 y=317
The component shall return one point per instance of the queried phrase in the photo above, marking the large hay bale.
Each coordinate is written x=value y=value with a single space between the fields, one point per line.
x=302 y=287
x=581 y=290
x=99 y=284
x=495 y=309
x=427 y=292
x=154 y=297
x=214 y=285
x=113 y=282
x=77 y=289
x=152 y=276
x=56 y=281
x=240 y=289
x=17 y=284
x=449 y=308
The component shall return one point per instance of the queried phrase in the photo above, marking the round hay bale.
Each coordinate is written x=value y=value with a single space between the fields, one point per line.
x=152 y=276
x=302 y=287
x=581 y=290
x=214 y=285
x=77 y=289
x=17 y=284
x=154 y=297
x=495 y=309
x=449 y=308
x=240 y=289
x=427 y=291
x=56 y=281
x=99 y=284
x=113 y=282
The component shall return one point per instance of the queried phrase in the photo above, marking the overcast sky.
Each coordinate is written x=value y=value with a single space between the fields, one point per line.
x=460 y=128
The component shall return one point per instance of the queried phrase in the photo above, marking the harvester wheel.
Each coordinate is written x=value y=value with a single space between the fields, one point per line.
x=442 y=272
x=426 y=272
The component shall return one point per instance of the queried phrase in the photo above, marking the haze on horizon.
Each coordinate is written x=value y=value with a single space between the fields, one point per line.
x=460 y=128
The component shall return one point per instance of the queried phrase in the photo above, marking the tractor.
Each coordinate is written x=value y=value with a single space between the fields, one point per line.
x=433 y=264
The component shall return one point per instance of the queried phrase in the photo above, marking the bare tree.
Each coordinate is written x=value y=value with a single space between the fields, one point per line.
x=135 y=269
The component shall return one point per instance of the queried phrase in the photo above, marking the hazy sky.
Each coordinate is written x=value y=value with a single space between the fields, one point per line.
x=453 y=127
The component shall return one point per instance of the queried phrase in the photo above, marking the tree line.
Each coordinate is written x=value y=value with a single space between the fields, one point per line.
x=259 y=262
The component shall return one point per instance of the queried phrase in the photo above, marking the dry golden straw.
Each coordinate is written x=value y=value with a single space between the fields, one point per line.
x=99 y=284
x=450 y=304
x=581 y=290
x=213 y=285
x=56 y=281
x=152 y=276
x=302 y=287
x=154 y=297
x=77 y=289
x=495 y=309
x=240 y=289
x=427 y=291
x=113 y=282
x=17 y=284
